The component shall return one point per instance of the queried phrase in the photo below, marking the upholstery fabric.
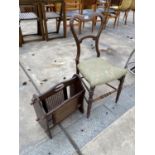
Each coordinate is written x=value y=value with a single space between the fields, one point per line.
x=132 y=7
x=52 y=15
x=72 y=13
x=98 y=71
x=124 y=5
x=27 y=16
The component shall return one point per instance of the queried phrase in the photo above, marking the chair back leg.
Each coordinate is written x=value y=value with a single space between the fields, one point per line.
x=58 y=25
x=119 y=88
x=126 y=16
x=115 y=22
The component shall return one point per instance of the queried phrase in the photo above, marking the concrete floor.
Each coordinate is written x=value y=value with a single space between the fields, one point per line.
x=47 y=63
x=117 y=139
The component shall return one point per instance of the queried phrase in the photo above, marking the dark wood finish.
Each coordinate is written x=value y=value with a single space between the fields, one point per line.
x=121 y=80
x=59 y=102
x=115 y=2
x=30 y=11
x=106 y=11
x=89 y=4
x=41 y=18
x=21 y=41
x=89 y=7
x=52 y=13
x=94 y=37
x=78 y=41
x=72 y=7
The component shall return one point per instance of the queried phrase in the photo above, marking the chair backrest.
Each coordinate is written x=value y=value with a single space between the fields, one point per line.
x=27 y=6
x=125 y=5
x=95 y=37
x=115 y=2
x=89 y=4
x=72 y=5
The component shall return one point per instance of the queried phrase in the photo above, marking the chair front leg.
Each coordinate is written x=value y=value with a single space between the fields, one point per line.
x=42 y=29
x=126 y=16
x=58 y=22
x=133 y=17
x=21 y=40
x=90 y=100
x=80 y=29
x=115 y=22
x=119 y=88
x=117 y=16
x=46 y=30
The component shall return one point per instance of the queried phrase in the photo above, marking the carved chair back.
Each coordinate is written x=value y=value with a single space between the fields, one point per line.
x=94 y=37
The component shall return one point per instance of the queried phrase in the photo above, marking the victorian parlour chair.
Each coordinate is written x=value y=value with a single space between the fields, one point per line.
x=72 y=8
x=132 y=8
x=50 y=12
x=88 y=8
x=96 y=71
x=123 y=7
x=104 y=8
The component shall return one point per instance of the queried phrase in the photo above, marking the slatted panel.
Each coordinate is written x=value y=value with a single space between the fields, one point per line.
x=65 y=110
x=54 y=100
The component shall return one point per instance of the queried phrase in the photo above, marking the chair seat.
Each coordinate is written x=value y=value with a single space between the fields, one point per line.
x=88 y=12
x=98 y=71
x=102 y=10
x=72 y=13
x=52 y=15
x=28 y=16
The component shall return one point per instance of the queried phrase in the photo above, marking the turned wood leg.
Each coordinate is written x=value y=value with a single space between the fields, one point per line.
x=46 y=31
x=90 y=100
x=115 y=22
x=81 y=108
x=21 y=41
x=119 y=88
x=126 y=16
x=58 y=24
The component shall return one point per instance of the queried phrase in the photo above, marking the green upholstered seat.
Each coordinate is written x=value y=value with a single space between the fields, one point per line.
x=98 y=71
x=124 y=5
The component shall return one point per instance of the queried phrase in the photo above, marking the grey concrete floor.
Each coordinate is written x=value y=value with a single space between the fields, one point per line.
x=117 y=139
x=48 y=63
